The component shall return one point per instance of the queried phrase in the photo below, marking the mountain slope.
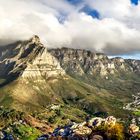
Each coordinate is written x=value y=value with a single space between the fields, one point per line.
x=98 y=70
x=27 y=58
x=25 y=67
x=33 y=78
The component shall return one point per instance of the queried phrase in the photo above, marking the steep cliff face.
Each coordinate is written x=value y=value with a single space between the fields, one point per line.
x=134 y=64
x=86 y=62
x=25 y=70
x=27 y=59
x=43 y=65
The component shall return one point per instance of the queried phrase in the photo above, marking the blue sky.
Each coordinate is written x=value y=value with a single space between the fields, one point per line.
x=79 y=1
x=86 y=8
x=75 y=1
x=134 y=2
x=92 y=12
x=128 y=56
x=135 y=56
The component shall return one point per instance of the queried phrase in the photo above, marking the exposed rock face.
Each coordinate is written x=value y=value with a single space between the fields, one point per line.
x=43 y=65
x=87 y=62
x=135 y=65
x=29 y=59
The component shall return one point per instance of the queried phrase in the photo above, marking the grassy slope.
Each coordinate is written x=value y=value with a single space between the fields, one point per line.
x=77 y=96
x=99 y=95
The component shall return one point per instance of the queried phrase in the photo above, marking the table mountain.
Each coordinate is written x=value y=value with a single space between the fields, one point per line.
x=86 y=62
x=32 y=78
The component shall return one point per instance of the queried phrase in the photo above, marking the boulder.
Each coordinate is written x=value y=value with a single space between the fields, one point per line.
x=77 y=125
x=97 y=137
x=95 y=122
x=43 y=137
x=133 y=129
x=1 y=135
x=83 y=131
x=110 y=121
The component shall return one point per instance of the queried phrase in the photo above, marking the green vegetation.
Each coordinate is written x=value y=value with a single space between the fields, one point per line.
x=26 y=132
x=137 y=113
x=12 y=123
x=2 y=81
x=112 y=132
x=76 y=97
x=9 y=116
x=87 y=94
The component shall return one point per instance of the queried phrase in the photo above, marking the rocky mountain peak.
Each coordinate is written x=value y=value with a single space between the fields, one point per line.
x=28 y=58
x=35 y=39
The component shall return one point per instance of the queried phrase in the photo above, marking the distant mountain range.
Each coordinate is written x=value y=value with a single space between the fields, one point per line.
x=32 y=78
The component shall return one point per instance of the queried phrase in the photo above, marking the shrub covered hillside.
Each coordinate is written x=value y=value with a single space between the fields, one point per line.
x=16 y=125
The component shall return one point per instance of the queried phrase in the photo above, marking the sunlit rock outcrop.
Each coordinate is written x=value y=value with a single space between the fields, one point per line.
x=86 y=62
x=28 y=58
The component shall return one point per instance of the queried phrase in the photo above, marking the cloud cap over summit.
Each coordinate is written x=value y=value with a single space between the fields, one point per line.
x=73 y=23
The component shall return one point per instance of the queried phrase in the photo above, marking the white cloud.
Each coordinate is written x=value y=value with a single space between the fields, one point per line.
x=121 y=10
x=106 y=35
x=111 y=8
x=118 y=32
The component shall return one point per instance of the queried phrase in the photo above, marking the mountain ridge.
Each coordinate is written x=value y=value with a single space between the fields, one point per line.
x=36 y=77
x=20 y=58
x=90 y=62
